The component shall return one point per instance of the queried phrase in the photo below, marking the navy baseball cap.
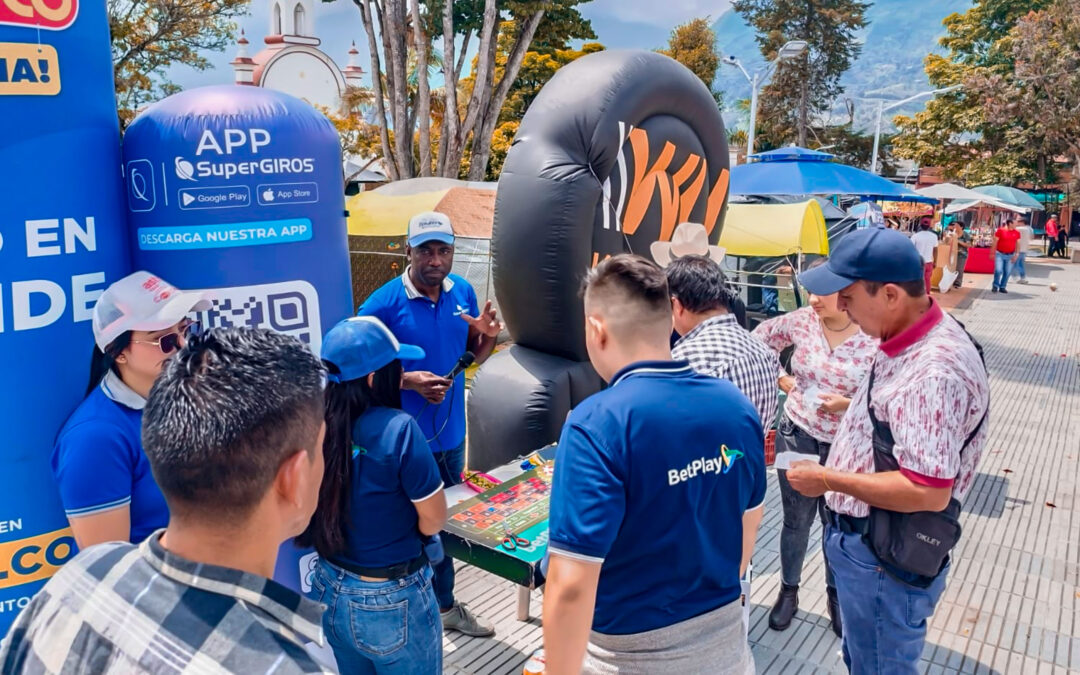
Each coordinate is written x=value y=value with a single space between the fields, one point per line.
x=873 y=254
x=361 y=345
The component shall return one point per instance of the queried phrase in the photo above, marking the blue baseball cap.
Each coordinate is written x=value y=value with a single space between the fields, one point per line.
x=873 y=254
x=430 y=226
x=361 y=345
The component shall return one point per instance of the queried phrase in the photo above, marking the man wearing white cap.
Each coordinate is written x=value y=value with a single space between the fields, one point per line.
x=431 y=308
x=104 y=477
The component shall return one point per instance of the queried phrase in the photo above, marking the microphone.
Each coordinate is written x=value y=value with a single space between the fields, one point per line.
x=464 y=362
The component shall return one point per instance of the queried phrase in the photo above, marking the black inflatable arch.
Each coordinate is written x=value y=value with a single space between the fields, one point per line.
x=617 y=149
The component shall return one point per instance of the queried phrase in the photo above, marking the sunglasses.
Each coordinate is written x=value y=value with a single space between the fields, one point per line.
x=171 y=342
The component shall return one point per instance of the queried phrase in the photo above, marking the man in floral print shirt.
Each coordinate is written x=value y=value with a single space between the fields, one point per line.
x=930 y=389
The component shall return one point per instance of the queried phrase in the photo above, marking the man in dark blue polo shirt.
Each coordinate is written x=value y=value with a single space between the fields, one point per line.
x=431 y=308
x=656 y=499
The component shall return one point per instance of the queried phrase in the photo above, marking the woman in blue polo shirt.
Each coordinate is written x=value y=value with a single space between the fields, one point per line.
x=380 y=503
x=106 y=486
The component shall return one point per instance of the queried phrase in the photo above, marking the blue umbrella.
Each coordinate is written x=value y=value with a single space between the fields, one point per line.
x=801 y=171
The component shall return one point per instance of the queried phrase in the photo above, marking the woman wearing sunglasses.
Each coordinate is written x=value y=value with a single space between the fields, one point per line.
x=106 y=486
x=380 y=502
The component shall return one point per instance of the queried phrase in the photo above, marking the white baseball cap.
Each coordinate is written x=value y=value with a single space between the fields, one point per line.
x=430 y=226
x=142 y=301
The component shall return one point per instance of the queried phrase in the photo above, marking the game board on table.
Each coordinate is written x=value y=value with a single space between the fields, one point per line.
x=475 y=528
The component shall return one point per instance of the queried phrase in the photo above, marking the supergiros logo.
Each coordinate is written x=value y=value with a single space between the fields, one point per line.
x=45 y=14
x=35 y=558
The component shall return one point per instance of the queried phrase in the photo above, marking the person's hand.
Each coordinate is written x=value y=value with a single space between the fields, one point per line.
x=786 y=383
x=833 y=403
x=487 y=323
x=429 y=385
x=1015 y=258
x=808 y=478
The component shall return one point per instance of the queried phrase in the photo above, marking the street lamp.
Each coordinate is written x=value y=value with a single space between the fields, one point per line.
x=882 y=108
x=790 y=50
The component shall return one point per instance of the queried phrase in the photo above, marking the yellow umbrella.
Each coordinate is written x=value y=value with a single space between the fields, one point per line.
x=372 y=214
x=775 y=230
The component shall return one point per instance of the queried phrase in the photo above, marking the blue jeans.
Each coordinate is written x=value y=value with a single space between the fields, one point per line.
x=451 y=463
x=1018 y=267
x=380 y=626
x=1002 y=269
x=884 y=618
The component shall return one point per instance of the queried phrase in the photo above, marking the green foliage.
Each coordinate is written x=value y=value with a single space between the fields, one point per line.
x=693 y=44
x=536 y=70
x=954 y=132
x=149 y=36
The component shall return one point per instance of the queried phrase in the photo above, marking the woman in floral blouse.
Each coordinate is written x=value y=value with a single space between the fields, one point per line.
x=830 y=359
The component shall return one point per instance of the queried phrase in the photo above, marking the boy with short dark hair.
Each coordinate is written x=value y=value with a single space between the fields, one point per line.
x=233 y=430
x=656 y=499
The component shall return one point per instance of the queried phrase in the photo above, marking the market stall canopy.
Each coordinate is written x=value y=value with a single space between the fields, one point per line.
x=984 y=203
x=950 y=191
x=1010 y=196
x=385 y=212
x=801 y=171
x=774 y=230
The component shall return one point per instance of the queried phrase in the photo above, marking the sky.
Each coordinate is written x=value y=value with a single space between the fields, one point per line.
x=617 y=23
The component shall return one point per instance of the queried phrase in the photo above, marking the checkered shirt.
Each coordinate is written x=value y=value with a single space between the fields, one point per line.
x=720 y=347
x=117 y=608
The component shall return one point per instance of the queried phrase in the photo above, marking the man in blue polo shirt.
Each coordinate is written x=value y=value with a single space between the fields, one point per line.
x=656 y=499
x=431 y=308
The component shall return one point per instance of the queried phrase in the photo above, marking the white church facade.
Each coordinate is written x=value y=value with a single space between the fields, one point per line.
x=291 y=61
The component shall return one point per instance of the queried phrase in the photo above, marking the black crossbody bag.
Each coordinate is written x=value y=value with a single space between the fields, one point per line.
x=916 y=543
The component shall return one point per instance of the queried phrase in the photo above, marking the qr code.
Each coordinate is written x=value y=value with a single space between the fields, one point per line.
x=290 y=307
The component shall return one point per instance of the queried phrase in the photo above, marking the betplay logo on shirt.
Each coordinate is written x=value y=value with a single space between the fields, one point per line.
x=705 y=466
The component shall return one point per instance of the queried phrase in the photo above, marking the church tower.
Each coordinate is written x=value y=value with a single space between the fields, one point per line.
x=292 y=62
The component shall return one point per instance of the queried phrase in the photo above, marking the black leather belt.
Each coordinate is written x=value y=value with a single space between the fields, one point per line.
x=389 y=573
x=847 y=524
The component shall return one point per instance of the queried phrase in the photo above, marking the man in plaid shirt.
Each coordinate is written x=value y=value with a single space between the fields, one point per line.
x=233 y=432
x=713 y=341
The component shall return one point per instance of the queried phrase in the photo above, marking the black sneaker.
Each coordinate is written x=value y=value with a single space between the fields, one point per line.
x=1003 y=291
x=994 y=290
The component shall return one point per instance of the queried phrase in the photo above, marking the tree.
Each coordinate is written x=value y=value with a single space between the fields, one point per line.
x=806 y=86
x=953 y=132
x=406 y=29
x=693 y=44
x=149 y=36
x=1038 y=98
x=537 y=69
x=359 y=137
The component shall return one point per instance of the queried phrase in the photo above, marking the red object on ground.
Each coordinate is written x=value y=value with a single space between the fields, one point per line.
x=980 y=261
x=770 y=447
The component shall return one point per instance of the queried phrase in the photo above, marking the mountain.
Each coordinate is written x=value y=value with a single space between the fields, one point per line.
x=897 y=38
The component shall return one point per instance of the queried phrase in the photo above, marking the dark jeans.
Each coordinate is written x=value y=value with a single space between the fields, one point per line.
x=799 y=511
x=451 y=463
x=961 y=261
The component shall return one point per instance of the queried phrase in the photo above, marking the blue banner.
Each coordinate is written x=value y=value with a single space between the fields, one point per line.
x=62 y=241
